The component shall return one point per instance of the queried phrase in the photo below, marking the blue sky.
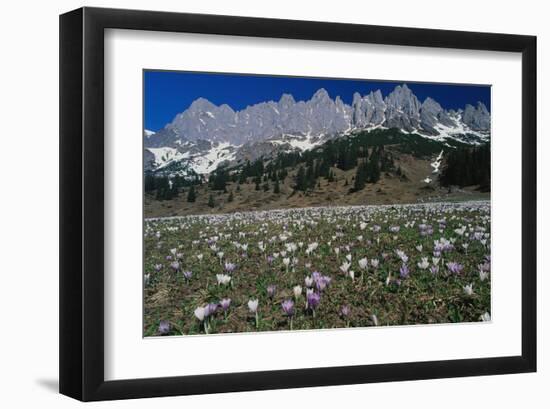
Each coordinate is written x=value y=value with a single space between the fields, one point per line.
x=167 y=93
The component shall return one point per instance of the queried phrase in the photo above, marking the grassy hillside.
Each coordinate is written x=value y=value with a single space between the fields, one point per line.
x=325 y=176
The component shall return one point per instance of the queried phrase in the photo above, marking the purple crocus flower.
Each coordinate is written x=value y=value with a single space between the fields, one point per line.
x=316 y=276
x=486 y=266
x=271 y=290
x=187 y=275
x=313 y=300
x=288 y=307
x=164 y=327
x=270 y=259
x=210 y=309
x=454 y=267
x=225 y=303
x=230 y=267
x=175 y=265
x=322 y=282
x=344 y=311
x=434 y=269
x=404 y=271
x=157 y=267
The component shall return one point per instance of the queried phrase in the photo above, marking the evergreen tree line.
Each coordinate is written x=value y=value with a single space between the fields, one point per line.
x=468 y=167
x=342 y=153
x=165 y=188
x=371 y=167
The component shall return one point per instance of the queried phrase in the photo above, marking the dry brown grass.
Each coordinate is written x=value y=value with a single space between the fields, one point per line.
x=389 y=190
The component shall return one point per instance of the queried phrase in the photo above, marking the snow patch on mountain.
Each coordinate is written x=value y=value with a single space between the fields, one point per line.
x=218 y=154
x=458 y=129
x=436 y=164
x=164 y=156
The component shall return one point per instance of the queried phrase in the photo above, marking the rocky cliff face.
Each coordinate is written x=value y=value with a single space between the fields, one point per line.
x=478 y=118
x=206 y=129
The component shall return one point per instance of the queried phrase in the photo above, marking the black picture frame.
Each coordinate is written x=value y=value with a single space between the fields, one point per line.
x=82 y=200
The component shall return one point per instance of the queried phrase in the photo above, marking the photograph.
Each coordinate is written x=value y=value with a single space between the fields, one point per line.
x=277 y=203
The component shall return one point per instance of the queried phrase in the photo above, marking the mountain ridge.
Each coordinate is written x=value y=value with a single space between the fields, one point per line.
x=206 y=135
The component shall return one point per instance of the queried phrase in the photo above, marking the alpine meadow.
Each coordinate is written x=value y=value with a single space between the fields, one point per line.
x=285 y=203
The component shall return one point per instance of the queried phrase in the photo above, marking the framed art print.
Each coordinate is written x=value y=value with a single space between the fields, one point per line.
x=256 y=204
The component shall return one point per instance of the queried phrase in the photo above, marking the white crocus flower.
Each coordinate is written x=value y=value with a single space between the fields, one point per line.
x=468 y=290
x=297 y=291
x=253 y=305
x=483 y=275
x=424 y=264
x=363 y=263
x=308 y=281
x=485 y=316
x=374 y=319
x=200 y=313
x=345 y=267
x=223 y=279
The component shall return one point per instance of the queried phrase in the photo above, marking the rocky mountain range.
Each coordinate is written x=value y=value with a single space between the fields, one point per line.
x=205 y=135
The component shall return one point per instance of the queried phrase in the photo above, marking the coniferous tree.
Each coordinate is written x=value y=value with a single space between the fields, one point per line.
x=276 y=188
x=149 y=183
x=242 y=177
x=219 y=180
x=360 y=177
x=164 y=190
x=373 y=167
x=467 y=167
x=211 y=202
x=301 y=183
x=310 y=178
x=191 y=195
